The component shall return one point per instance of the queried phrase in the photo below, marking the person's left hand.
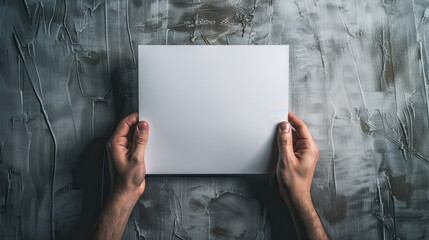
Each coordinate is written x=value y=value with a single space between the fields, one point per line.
x=126 y=150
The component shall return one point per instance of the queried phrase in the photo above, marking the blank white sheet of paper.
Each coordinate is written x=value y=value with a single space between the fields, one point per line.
x=212 y=109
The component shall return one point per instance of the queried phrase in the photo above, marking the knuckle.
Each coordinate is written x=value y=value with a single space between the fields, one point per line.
x=135 y=114
x=141 y=140
x=121 y=122
x=136 y=159
x=315 y=150
x=304 y=125
x=109 y=145
x=284 y=141
x=115 y=142
x=307 y=144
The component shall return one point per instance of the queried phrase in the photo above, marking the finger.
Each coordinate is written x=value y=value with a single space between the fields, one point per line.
x=125 y=125
x=294 y=138
x=141 y=136
x=300 y=127
x=285 y=140
x=119 y=147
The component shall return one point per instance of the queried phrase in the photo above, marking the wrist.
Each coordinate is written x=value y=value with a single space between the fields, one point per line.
x=302 y=204
x=123 y=198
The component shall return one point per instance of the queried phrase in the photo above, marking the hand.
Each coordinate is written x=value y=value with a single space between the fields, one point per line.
x=298 y=155
x=126 y=150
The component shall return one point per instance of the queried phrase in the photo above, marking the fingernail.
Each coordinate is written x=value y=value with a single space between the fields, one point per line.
x=142 y=125
x=285 y=127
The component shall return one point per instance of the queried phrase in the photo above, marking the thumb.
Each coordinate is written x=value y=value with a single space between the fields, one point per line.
x=141 y=135
x=284 y=139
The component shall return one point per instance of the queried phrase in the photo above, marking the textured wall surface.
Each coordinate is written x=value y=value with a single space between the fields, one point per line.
x=359 y=78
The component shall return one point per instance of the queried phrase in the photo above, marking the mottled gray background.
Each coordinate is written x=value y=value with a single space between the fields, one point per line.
x=359 y=78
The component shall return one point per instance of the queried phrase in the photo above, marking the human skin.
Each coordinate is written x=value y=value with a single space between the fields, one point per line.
x=298 y=155
x=125 y=151
x=297 y=160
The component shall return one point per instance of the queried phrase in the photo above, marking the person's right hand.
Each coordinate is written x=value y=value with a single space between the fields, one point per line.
x=298 y=155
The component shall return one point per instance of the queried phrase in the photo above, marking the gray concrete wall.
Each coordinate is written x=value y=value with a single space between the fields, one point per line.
x=359 y=78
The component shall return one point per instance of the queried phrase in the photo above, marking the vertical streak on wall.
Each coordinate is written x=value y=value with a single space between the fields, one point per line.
x=129 y=33
x=106 y=16
x=425 y=72
x=34 y=77
x=421 y=17
x=100 y=113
